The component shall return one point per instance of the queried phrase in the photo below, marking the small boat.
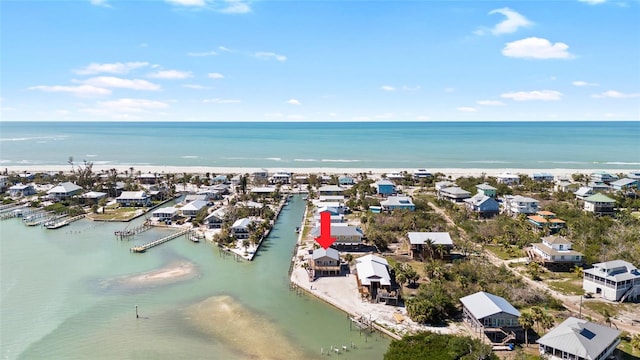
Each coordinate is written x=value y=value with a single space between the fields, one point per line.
x=298 y=230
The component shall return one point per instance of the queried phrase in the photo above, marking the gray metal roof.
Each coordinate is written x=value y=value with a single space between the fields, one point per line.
x=617 y=270
x=482 y=304
x=328 y=252
x=580 y=337
x=438 y=238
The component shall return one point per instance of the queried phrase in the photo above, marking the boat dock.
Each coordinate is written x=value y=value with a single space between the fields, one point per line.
x=145 y=247
x=63 y=222
x=122 y=234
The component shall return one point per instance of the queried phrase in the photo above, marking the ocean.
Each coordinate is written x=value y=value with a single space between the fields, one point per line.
x=403 y=145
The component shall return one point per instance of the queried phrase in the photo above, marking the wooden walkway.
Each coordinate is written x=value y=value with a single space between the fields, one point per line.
x=131 y=232
x=145 y=247
x=63 y=222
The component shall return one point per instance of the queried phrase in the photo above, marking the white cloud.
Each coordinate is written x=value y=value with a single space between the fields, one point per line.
x=466 y=109
x=80 y=90
x=511 y=24
x=215 y=76
x=294 y=102
x=113 y=68
x=187 y=2
x=615 y=95
x=593 y=2
x=387 y=88
x=584 y=83
x=225 y=49
x=221 y=101
x=536 y=48
x=423 y=117
x=122 y=106
x=543 y=95
x=411 y=88
x=115 y=82
x=102 y=3
x=204 y=53
x=195 y=86
x=296 y=117
x=269 y=56
x=235 y=7
x=490 y=102
x=171 y=74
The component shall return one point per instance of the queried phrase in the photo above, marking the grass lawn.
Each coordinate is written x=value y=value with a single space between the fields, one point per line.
x=119 y=214
x=567 y=286
x=600 y=307
x=629 y=353
x=504 y=254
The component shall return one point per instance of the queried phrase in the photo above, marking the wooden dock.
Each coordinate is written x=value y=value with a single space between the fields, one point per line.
x=63 y=222
x=145 y=247
x=126 y=233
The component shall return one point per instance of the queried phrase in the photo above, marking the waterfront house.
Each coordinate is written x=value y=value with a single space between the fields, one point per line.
x=555 y=253
x=634 y=174
x=444 y=184
x=220 y=179
x=397 y=203
x=584 y=192
x=395 y=176
x=542 y=176
x=260 y=176
x=346 y=180
x=347 y=236
x=579 y=339
x=615 y=280
x=421 y=174
x=281 y=177
x=454 y=194
x=63 y=191
x=194 y=197
x=216 y=218
x=372 y=275
x=93 y=197
x=335 y=218
x=385 y=187
x=20 y=190
x=483 y=205
x=600 y=204
x=508 y=178
x=518 y=204
x=264 y=191
x=546 y=221
x=325 y=262
x=168 y=213
x=331 y=190
x=148 y=179
x=492 y=315
x=486 y=189
x=134 y=198
x=624 y=184
x=423 y=245
x=4 y=183
x=602 y=177
x=240 y=228
x=191 y=209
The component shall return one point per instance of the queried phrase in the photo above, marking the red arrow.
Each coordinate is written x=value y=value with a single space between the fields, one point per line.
x=325 y=240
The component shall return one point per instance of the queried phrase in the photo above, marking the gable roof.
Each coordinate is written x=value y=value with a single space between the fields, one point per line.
x=438 y=238
x=373 y=268
x=482 y=304
x=328 y=252
x=195 y=205
x=599 y=198
x=65 y=187
x=580 y=337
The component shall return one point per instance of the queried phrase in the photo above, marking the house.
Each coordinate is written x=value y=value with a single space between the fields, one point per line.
x=169 y=213
x=372 y=275
x=395 y=176
x=325 y=262
x=454 y=194
x=599 y=186
x=397 y=203
x=546 y=221
x=347 y=236
x=422 y=174
x=148 y=179
x=4 y=181
x=542 y=176
x=600 y=204
x=19 y=190
x=484 y=205
x=194 y=197
x=64 y=190
x=216 y=218
x=335 y=218
x=565 y=186
x=490 y=314
x=260 y=176
x=602 y=177
x=428 y=243
x=264 y=191
x=508 y=178
x=487 y=190
x=330 y=190
x=240 y=228
x=93 y=197
x=615 y=280
x=624 y=184
x=220 y=179
x=385 y=187
x=134 y=198
x=634 y=174
x=518 y=204
x=281 y=177
x=346 y=180
x=584 y=192
x=192 y=208
x=444 y=184
x=555 y=253
x=580 y=340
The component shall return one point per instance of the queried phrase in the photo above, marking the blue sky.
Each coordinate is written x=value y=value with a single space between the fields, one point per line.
x=234 y=60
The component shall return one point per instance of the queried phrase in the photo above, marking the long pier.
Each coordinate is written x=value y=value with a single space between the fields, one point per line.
x=145 y=247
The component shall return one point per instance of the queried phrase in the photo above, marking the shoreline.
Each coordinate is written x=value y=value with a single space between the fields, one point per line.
x=451 y=172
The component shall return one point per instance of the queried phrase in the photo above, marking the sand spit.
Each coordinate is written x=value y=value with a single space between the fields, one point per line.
x=172 y=273
x=243 y=331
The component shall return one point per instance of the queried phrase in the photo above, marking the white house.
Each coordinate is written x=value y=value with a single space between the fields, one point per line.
x=454 y=194
x=134 y=198
x=19 y=190
x=519 y=204
x=556 y=253
x=579 y=339
x=166 y=213
x=600 y=204
x=192 y=208
x=602 y=177
x=397 y=203
x=584 y=192
x=281 y=177
x=240 y=228
x=615 y=280
x=216 y=218
x=508 y=178
x=373 y=274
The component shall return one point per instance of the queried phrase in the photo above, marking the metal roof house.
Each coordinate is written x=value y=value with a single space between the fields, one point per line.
x=64 y=190
x=345 y=235
x=579 y=339
x=555 y=253
x=134 y=198
x=483 y=205
x=615 y=280
x=385 y=187
x=600 y=204
x=372 y=275
x=325 y=262
x=422 y=242
x=490 y=314
x=398 y=203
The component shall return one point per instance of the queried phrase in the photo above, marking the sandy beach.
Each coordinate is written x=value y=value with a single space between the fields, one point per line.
x=451 y=172
x=169 y=274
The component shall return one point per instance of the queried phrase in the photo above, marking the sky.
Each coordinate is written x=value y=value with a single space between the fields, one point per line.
x=324 y=60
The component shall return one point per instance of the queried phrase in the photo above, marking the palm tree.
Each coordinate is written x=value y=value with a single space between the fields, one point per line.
x=635 y=341
x=527 y=321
